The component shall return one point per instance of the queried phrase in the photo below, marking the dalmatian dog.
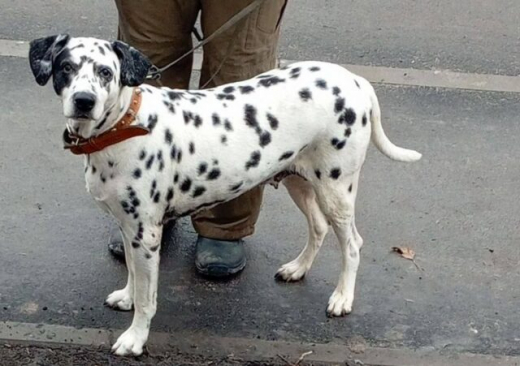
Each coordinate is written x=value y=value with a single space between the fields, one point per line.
x=308 y=124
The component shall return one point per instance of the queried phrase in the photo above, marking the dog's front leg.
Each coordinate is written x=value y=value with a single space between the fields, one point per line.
x=124 y=299
x=145 y=263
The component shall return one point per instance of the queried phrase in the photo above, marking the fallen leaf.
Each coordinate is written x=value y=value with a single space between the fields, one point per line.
x=405 y=252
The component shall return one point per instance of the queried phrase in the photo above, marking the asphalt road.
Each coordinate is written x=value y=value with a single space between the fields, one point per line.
x=457 y=208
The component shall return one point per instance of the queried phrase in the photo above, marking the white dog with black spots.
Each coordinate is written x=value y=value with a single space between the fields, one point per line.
x=309 y=124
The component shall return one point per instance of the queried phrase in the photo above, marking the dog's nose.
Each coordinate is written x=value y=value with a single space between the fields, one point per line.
x=84 y=102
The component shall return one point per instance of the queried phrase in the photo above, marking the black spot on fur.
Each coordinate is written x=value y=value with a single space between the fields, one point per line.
x=188 y=116
x=169 y=105
x=269 y=81
x=348 y=117
x=225 y=97
x=186 y=185
x=250 y=116
x=193 y=100
x=179 y=156
x=149 y=162
x=135 y=244
x=169 y=195
x=357 y=84
x=339 y=105
x=203 y=167
x=314 y=68
x=81 y=45
x=176 y=178
x=197 y=121
x=160 y=160
x=318 y=174
x=94 y=170
x=192 y=148
x=137 y=173
x=175 y=95
x=214 y=174
x=273 y=121
x=102 y=177
x=348 y=131
x=154 y=248
x=236 y=187
x=305 y=94
x=135 y=201
x=152 y=121
x=322 y=84
x=223 y=139
x=295 y=71
x=335 y=173
x=227 y=125
x=111 y=163
x=265 y=139
x=336 y=91
x=364 y=119
x=173 y=152
x=153 y=188
x=286 y=155
x=246 y=89
x=168 y=137
x=229 y=89
x=337 y=143
x=254 y=160
x=216 y=119
x=198 y=191
x=157 y=197
x=101 y=50
x=100 y=124
x=350 y=188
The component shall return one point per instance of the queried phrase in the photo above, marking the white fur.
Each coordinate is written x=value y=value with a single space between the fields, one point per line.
x=307 y=127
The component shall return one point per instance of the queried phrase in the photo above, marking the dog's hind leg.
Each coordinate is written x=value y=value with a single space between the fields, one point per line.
x=303 y=195
x=337 y=199
x=144 y=257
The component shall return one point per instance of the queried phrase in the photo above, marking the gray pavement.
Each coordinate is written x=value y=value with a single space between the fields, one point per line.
x=457 y=208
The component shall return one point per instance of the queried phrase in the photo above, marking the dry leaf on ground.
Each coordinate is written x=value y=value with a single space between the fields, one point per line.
x=405 y=252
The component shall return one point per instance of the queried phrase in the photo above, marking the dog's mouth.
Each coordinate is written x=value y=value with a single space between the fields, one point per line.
x=82 y=117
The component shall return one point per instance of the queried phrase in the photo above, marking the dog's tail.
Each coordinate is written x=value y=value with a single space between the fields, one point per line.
x=382 y=142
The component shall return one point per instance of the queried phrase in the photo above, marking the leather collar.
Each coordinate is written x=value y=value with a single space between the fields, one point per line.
x=120 y=132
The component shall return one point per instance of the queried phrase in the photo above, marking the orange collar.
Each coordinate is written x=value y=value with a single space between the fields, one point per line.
x=120 y=132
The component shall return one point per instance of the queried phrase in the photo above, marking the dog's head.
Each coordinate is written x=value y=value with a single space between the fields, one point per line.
x=88 y=74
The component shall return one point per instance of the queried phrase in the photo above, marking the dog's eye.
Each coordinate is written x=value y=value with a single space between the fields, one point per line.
x=105 y=73
x=67 y=68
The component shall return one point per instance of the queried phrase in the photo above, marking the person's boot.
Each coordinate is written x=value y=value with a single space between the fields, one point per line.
x=116 y=246
x=219 y=258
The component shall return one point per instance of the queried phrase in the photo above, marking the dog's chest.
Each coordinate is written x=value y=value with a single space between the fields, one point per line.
x=101 y=180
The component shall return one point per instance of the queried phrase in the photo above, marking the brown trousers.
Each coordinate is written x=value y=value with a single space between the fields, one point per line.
x=161 y=29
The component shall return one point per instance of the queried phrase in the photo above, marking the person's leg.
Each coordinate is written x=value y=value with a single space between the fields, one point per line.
x=245 y=50
x=162 y=31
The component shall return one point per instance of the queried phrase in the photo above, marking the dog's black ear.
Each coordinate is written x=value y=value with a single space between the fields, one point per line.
x=134 y=65
x=41 y=55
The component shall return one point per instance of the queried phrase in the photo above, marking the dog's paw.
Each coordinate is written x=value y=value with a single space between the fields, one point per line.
x=290 y=272
x=131 y=342
x=339 y=304
x=120 y=300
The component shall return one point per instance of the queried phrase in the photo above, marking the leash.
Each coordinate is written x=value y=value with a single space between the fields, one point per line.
x=155 y=72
